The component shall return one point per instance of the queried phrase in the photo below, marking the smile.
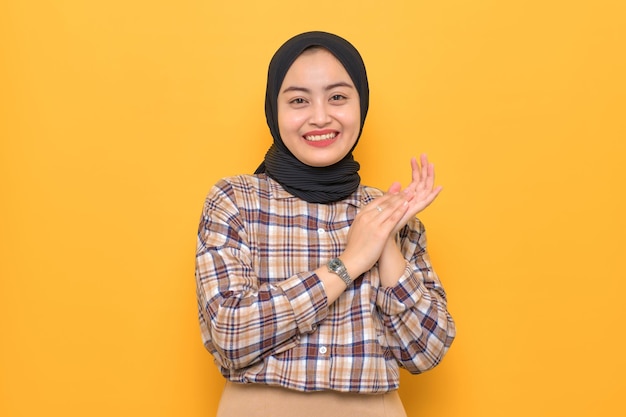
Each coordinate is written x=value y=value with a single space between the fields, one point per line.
x=318 y=138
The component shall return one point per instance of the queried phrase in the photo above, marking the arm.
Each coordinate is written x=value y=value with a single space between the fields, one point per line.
x=422 y=192
x=418 y=327
x=241 y=320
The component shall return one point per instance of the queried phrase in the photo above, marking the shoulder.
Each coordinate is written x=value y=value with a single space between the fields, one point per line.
x=234 y=192
x=244 y=181
x=239 y=186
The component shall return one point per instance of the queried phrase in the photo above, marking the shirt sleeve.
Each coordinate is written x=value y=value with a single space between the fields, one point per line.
x=418 y=329
x=241 y=320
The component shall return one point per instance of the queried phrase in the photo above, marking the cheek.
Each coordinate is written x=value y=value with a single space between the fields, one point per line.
x=289 y=121
x=351 y=118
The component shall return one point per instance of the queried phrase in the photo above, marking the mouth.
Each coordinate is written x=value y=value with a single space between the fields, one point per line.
x=321 y=137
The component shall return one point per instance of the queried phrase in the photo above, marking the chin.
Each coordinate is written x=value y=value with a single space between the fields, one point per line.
x=321 y=163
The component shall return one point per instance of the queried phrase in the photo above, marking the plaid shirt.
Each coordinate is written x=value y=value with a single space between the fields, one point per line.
x=264 y=314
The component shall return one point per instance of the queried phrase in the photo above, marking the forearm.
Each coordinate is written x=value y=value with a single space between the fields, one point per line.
x=419 y=328
x=421 y=334
x=246 y=325
x=333 y=285
x=391 y=264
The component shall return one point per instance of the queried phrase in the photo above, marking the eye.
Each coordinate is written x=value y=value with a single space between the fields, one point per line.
x=338 y=97
x=298 y=100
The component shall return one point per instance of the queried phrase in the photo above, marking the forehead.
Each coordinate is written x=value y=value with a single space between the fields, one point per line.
x=316 y=65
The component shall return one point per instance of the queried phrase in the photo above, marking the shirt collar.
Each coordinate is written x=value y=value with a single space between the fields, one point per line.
x=359 y=198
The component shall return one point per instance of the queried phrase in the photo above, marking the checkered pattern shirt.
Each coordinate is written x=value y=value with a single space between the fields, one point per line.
x=263 y=311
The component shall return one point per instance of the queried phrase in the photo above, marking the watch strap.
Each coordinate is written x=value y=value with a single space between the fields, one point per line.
x=337 y=267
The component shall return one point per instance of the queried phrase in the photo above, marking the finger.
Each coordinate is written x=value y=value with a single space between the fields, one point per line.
x=424 y=169
x=391 y=215
x=435 y=193
x=426 y=201
x=415 y=172
x=386 y=207
x=377 y=205
x=395 y=188
x=395 y=192
x=430 y=178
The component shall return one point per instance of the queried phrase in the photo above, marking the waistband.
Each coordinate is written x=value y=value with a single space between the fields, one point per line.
x=259 y=400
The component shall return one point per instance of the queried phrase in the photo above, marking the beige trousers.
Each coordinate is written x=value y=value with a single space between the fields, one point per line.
x=257 y=400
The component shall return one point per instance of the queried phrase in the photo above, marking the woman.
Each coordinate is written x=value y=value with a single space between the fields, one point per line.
x=312 y=288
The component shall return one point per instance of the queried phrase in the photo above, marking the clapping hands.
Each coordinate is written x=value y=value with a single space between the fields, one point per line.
x=381 y=219
x=421 y=192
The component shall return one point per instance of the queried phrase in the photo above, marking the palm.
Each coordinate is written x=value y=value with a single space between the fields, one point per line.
x=383 y=218
x=421 y=188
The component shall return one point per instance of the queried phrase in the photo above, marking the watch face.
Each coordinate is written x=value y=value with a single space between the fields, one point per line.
x=334 y=264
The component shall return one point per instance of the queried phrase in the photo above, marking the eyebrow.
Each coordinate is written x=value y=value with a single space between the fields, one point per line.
x=327 y=88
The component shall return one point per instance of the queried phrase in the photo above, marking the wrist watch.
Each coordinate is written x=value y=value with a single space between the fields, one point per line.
x=337 y=267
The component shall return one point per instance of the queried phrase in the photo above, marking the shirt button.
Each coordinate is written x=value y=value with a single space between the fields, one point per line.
x=321 y=231
x=323 y=350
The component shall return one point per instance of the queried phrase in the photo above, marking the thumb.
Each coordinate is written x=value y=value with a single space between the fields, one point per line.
x=395 y=188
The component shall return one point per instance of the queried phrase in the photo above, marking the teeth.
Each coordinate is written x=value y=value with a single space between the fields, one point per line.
x=317 y=138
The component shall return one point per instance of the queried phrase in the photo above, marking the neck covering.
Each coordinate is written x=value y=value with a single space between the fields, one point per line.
x=313 y=184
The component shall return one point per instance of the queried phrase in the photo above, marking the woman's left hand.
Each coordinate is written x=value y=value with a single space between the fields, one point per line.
x=422 y=189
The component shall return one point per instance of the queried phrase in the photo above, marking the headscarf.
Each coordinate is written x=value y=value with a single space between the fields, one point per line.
x=313 y=184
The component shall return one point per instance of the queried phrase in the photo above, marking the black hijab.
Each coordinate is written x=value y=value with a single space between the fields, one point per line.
x=313 y=184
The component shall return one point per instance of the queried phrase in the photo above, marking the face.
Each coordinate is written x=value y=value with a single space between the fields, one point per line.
x=318 y=109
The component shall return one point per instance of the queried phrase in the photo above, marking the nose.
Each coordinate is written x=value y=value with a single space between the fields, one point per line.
x=320 y=115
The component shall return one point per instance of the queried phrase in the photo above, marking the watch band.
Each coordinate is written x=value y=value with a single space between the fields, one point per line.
x=336 y=266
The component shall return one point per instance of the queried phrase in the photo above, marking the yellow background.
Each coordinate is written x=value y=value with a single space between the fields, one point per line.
x=117 y=116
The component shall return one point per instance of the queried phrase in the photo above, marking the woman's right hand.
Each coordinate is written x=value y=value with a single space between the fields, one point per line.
x=371 y=229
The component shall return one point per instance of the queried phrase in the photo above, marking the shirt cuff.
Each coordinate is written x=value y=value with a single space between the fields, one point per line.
x=307 y=297
x=403 y=296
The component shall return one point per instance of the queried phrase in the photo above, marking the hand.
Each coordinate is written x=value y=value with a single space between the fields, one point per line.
x=382 y=219
x=421 y=190
x=371 y=229
x=420 y=193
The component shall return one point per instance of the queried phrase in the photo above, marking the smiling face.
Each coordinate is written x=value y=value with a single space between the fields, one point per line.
x=318 y=109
